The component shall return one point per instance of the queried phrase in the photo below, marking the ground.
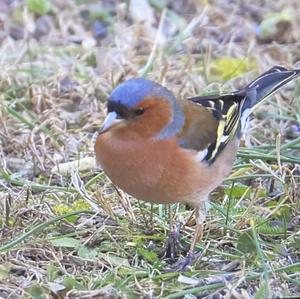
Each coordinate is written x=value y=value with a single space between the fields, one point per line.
x=66 y=231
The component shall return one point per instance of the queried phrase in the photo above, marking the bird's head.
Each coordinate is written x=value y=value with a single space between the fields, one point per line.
x=144 y=108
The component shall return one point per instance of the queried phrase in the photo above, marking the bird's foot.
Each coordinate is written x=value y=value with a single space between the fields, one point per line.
x=183 y=263
x=173 y=243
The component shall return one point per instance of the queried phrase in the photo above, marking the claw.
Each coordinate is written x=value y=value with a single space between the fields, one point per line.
x=182 y=264
x=173 y=243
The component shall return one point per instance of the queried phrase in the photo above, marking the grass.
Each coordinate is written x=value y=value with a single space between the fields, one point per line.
x=65 y=230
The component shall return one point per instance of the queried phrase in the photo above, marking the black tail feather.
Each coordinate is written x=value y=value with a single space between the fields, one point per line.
x=268 y=83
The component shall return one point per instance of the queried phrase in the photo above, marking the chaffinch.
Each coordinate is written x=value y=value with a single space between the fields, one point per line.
x=164 y=150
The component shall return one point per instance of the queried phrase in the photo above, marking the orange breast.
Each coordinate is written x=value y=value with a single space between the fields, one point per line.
x=160 y=171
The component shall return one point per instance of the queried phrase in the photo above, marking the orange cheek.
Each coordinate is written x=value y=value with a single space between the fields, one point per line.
x=156 y=116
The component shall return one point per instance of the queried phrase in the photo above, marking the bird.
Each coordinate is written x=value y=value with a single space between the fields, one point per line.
x=163 y=149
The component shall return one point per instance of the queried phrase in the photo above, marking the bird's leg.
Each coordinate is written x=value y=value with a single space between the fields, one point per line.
x=198 y=235
x=173 y=240
x=200 y=218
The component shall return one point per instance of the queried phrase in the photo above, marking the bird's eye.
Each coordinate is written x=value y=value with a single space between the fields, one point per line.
x=139 y=111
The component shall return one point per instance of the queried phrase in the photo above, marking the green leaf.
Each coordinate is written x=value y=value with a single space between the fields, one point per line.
x=128 y=271
x=238 y=191
x=148 y=255
x=72 y=283
x=274 y=227
x=159 y=4
x=87 y=253
x=76 y=205
x=269 y=28
x=80 y=204
x=245 y=243
x=98 y=13
x=228 y=67
x=52 y=272
x=296 y=242
x=5 y=270
x=37 y=292
x=115 y=260
x=66 y=242
x=40 y=7
x=263 y=290
x=61 y=209
x=91 y=60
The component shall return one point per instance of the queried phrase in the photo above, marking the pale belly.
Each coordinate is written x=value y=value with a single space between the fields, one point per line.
x=161 y=172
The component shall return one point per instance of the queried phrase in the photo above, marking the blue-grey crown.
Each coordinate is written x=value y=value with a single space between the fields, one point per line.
x=133 y=91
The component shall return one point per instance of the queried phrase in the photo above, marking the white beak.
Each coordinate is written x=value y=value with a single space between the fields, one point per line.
x=110 y=120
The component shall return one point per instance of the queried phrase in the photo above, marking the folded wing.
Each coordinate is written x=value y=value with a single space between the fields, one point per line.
x=225 y=115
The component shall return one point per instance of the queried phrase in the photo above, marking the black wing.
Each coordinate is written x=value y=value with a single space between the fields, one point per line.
x=232 y=110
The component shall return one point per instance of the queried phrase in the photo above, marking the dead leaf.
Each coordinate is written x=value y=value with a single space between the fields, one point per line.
x=83 y=164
